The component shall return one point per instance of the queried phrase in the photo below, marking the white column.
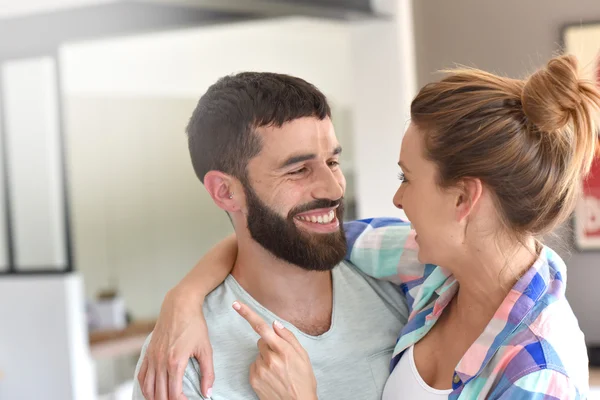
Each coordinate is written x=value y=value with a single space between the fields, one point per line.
x=384 y=79
x=30 y=110
x=3 y=232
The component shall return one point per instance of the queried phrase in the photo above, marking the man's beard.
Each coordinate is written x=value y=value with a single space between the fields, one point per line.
x=280 y=236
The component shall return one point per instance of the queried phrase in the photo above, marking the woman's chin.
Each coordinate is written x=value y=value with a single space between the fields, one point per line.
x=423 y=257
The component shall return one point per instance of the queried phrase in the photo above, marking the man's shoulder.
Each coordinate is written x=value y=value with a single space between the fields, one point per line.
x=355 y=276
x=217 y=307
x=390 y=294
x=346 y=267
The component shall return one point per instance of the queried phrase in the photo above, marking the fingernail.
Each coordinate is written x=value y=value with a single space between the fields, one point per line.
x=236 y=305
x=209 y=392
x=278 y=324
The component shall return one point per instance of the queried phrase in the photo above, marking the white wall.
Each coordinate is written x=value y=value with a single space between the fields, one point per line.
x=383 y=71
x=511 y=37
x=185 y=63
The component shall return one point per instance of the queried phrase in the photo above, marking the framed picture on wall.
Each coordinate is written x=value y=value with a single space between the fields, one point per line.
x=583 y=41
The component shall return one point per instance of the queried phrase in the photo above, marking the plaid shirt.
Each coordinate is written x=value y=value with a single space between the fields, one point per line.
x=531 y=349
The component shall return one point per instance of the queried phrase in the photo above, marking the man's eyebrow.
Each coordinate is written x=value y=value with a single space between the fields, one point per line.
x=296 y=159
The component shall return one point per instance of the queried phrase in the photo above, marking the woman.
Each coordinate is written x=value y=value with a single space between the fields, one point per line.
x=490 y=165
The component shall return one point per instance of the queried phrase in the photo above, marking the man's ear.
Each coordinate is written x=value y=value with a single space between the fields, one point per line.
x=470 y=190
x=221 y=188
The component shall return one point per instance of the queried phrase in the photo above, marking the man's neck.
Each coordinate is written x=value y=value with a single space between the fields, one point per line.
x=304 y=298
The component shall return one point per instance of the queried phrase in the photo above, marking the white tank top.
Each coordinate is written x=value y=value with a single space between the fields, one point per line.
x=406 y=383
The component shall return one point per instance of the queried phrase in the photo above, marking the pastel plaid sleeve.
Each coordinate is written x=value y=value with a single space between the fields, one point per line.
x=542 y=384
x=376 y=246
x=385 y=248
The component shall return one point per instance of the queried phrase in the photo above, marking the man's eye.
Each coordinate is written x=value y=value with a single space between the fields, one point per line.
x=297 y=172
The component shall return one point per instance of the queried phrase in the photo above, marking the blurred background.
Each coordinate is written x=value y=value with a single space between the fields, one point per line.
x=100 y=210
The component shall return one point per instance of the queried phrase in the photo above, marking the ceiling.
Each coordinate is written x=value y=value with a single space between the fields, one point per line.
x=12 y=8
x=20 y=8
x=34 y=27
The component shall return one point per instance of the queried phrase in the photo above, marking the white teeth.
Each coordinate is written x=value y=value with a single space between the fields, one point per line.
x=319 y=219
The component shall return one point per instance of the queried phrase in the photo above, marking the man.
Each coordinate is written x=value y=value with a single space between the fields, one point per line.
x=264 y=146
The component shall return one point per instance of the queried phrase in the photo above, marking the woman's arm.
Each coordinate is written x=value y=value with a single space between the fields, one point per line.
x=209 y=272
x=384 y=248
x=181 y=331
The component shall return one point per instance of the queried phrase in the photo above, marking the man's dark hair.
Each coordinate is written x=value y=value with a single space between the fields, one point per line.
x=221 y=131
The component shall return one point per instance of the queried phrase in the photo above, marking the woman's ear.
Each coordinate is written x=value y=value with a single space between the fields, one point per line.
x=469 y=193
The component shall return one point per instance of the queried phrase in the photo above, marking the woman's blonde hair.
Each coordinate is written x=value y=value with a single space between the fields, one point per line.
x=529 y=141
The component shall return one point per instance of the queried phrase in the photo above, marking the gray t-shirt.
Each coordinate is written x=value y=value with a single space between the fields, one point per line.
x=350 y=361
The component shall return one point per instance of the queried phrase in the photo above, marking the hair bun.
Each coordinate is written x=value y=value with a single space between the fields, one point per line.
x=553 y=94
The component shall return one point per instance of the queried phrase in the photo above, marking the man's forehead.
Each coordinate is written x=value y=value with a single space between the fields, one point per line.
x=299 y=126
